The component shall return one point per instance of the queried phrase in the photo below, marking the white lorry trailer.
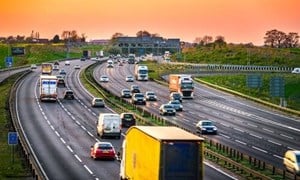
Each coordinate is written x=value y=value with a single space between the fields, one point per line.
x=48 y=88
x=141 y=72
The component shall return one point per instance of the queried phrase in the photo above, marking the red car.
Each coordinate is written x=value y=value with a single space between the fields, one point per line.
x=103 y=150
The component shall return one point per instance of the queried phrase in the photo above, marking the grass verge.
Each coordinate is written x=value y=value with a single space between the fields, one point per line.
x=12 y=162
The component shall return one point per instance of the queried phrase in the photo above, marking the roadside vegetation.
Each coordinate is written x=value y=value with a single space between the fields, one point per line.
x=11 y=166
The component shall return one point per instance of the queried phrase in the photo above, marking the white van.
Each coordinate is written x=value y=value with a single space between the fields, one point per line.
x=110 y=64
x=296 y=71
x=109 y=124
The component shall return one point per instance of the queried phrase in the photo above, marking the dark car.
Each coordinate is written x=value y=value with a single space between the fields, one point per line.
x=135 y=89
x=103 y=150
x=68 y=94
x=206 y=127
x=61 y=82
x=138 y=98
x=128 y=119
x=62 y=72
x=176 y=96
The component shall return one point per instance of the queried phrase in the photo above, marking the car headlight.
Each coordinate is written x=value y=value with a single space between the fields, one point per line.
x=215 y=128
x=203 y=128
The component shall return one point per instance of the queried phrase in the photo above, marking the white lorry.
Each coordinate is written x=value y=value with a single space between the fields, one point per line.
x=141 y=72
x=48 y=88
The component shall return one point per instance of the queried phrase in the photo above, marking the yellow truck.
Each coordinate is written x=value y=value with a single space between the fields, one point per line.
x=47 y=68
x=161 y=153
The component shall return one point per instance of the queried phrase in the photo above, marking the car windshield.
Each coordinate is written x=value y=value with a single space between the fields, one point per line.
x=207 y=123
x=298 y=158
x=175 y=102
x=139 y=95
x=135 y=87
x=128 y=116
x=98 y=100
x=104 y=146
x=168 y=107
x=104 y=77
x=69 y=92
x=176 y=95
x=151 y=93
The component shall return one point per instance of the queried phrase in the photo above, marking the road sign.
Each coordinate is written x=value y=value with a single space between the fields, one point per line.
x=8 y=61
x=277 y=88
x=254 y=81
x=12 y=138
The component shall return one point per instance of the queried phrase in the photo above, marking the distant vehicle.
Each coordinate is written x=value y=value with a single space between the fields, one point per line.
x=125 y=93
x=182 y=84
x=138 y=98
x=82 y=59
x=47 y=68
x=104 y=78
x=135 y=89
x=109 y=124
x=131 y=58
x=291 y=161
x=176 y=104
x=68 y=94
x=77 y=66
x=55 y=67
x=62 y=72
x=48 y=88
x=56 y=63
x=167 y=109
x=101 y=54
x=67 y=63
x=60 y=81
x=33 y=66
x=103 y=150
x=150 y=96
x=176 y=96
x=98 y=102
x=141 y=72
x=206 y=127
x=161 y=152
x=129 y=78
x=120 y=64
x=86 y=54
x=110 y=64
x=128 y=119
x=296 y=71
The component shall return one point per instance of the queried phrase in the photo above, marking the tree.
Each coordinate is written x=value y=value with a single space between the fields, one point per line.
x=208 y=39
x=274 y=38
x=143 y=33
x=56 y=39
x=83 y=37
x=155 y=35
x=291 y=40
x=220 y=41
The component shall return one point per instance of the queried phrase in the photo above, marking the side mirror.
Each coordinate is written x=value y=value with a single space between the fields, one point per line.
x=92 y=146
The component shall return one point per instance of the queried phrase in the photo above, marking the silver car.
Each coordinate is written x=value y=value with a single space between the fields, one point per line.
x=166 y=109
x=206 y=127
x=126 y=93
x=98 y=102
x=176 y=104
x=150 y=96
x=104 y=78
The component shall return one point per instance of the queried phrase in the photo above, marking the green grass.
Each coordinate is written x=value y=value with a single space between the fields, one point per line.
x=238 y=83
x=9 y=168
x=241 y=55
x=38 y=53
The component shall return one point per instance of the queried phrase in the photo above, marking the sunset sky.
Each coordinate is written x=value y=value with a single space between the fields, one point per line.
x=239 y=21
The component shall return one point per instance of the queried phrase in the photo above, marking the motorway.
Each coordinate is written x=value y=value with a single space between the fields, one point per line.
x=246 y=126
x=61 y=133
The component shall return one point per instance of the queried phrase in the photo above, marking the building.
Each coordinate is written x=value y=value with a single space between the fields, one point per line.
x=146 y=44
x=99 y=41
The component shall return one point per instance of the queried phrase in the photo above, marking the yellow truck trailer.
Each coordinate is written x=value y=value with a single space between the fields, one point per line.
x=161 y=153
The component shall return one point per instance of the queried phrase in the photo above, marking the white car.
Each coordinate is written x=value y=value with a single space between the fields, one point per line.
x=77 y=66
x=67 y=63
x=296 y=71
x=104 y=78
x=129 y=78
x=150 y=96
x=33 y=66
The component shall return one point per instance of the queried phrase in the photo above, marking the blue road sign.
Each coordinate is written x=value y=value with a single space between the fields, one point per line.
x=12 y=138
x=8 y=61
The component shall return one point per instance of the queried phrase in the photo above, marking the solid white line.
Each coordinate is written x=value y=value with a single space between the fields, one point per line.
x=70 y=149
x=286 y=136
x=78 y=158
x=279 y=157
x=255 y=136
x=241 y=142
x=275 y=143
x=62 y=140
x=219 y=170
x=88 y=169
x=259 y=149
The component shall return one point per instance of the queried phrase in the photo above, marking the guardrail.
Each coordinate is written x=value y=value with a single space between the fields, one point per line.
x=30 y=157
x=231 y=158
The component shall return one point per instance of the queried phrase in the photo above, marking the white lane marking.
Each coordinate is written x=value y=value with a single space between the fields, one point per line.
x=48 y=122
x=90 y=133
x=253 y=125
x=225 y=136
x=88 y=169
x=226 y=125
x=83 y=127
x=275 y=142
x=70 y=149
x=77 y=122
x=73 y=117
x=259 y=149
x=255 y=136
x=94 y=114
x=241 y=142
x=286 y=136
x=279 y=157
x=268 y=130
x=239 y=130
x=78 y=158
x=52 y=127
x=57 y=134
x=62 y=140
